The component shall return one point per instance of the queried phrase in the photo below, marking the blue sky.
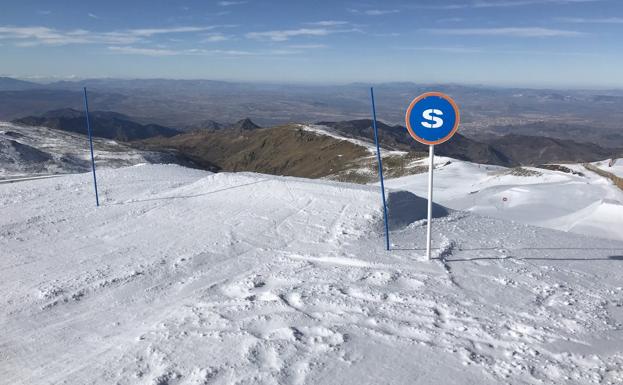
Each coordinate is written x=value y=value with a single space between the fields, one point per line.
x=535 y=43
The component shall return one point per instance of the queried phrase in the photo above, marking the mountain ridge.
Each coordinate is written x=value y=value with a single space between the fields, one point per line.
x=396 y=137
x=105 y=124
x=293 y=150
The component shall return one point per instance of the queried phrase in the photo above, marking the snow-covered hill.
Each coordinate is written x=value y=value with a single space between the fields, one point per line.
x=186 y=277
x=28 y=151
x=578 y=200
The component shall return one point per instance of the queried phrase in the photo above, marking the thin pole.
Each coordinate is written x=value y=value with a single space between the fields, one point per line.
x=86 y=108
x=380 y=161
x=431 y=166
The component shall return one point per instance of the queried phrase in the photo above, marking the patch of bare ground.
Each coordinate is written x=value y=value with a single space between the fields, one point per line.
x=560 y=168
x=521 y=171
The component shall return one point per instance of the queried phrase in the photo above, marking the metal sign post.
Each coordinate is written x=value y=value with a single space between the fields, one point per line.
x=86 y=109
x=431 y=166
x=432 y=118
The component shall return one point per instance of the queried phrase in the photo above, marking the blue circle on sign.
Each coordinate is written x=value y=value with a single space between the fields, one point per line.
x=432 y=118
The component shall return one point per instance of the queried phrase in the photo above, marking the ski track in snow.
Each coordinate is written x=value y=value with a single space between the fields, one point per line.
x=186 y=277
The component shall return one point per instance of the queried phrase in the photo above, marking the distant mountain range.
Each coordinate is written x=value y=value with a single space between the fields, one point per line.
x=10 y=84
x=585 y=133
x=292 y=150
x=535 y=150
x=579 y=115
x=505 y=150
x=109 y=125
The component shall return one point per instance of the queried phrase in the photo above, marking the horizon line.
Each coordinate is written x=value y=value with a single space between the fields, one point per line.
x=49 y=80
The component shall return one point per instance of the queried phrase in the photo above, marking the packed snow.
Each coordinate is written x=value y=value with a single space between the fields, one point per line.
x=579 y=201
x=187 y=277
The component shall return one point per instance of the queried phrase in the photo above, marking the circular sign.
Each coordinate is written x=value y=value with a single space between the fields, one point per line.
x=432 y=118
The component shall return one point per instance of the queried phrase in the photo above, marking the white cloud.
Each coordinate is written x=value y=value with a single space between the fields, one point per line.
x=220 y=52
x=445 y=49
x=489 y=50
x=43 y=35
x=283 y=35
x=321 y=28
x=579 y=20
x=37 y=35
x=143 y=51
x=328 y=23
x=215 y=37
x=230 y=3
x=374 y=12
x=549 y=53
x=160 y=31
x=508 y=31
x=385 y=34
x=129 y=50
x=307 y=46
x=162 y=52
x=501 y=4
x=517 y=3
x=380 y=12
x=92 y=15
x=449 y=20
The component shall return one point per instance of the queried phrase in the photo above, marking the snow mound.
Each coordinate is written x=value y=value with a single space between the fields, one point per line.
x=405 y=208
x=601 y=219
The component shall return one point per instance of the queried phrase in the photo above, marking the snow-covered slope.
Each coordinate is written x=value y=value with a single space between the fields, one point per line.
x=613 y=166
x=186 y=277
x=581 y=202
x=328 y=131
x=27 y=151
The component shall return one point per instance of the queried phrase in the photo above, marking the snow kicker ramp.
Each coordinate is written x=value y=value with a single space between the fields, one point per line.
x=183 y=277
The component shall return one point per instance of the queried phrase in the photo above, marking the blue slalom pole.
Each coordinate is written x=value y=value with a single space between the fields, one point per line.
x=378 y=156
x=86 y=108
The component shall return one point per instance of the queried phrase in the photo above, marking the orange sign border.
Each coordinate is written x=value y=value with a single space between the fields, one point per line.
x=456 y=123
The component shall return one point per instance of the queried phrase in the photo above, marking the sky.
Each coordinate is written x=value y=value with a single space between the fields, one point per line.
x=535 y=43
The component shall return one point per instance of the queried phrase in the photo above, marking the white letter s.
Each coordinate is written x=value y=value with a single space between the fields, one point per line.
x=428 y=115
